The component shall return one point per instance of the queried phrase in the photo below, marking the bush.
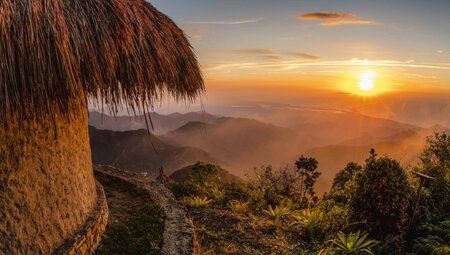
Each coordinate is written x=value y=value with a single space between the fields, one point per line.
x=310 y=224
x=353 y=244
x=380 y=197
x=342 y=180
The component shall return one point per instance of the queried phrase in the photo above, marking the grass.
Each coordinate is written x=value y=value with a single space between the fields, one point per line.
x=135 y=223
x=141 y=234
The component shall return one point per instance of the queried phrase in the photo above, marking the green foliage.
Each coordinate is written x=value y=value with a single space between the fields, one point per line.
x=442 y=250
x=142 y=234
x=353 y=244
x=436 y=163
x=260 y=198
x=335 y=218
x=310 y=224
x=340 y=188
x=429 y=245
x=374 y=198
x=203 y=172
x=238 y=206
x=278 y=215
x=380 y=196
x=434 y=236
x=196 y=201
x=307 y=169
x=437 y=153
x=432 y=228
x=203 y=181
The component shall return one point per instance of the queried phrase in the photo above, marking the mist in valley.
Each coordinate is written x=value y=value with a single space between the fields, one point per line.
x=243 y=135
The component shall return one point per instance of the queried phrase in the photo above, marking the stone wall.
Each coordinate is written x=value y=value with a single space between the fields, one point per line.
x=87 y=239
x=47 y=186
x=179 y=236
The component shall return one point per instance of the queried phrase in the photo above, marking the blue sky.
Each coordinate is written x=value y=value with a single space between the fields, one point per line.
x=403 y=28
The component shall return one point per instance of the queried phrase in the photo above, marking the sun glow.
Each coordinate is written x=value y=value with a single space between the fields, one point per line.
x=367 y=80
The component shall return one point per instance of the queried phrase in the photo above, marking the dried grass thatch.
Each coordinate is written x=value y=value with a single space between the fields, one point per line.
x=123 y=52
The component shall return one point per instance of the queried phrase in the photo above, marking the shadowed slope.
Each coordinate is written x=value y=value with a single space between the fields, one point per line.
x=135 y=150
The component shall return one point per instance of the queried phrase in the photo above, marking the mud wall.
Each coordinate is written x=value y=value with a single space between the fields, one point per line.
x=88 y=238
x=47 y=188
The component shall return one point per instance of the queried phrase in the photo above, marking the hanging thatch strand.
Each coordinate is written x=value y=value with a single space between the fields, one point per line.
x=123 y=52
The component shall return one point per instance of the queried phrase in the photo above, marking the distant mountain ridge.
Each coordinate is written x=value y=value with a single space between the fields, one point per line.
x=240 y=144
x=140 y=151
x=161 y=123
x=404 y=147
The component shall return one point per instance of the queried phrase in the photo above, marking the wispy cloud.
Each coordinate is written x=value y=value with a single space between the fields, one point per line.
x=326 y=15
x=347 y=22
x=257 y=52
x=303 y=55
x=224 y=22
x=289 y=65
x=272 y=54
x=335 y=18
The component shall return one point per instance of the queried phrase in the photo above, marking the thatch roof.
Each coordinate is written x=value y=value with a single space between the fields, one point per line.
x=124 y=52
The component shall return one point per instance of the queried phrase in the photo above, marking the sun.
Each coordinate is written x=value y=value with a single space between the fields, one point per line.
x=366 y=81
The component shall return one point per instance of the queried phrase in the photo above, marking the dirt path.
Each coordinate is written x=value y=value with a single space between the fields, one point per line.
x=178 y=236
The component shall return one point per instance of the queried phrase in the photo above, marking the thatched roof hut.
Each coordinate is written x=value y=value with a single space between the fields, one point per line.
x=54 y=54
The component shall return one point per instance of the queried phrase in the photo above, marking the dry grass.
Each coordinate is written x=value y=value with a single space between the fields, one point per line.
x=56 y=53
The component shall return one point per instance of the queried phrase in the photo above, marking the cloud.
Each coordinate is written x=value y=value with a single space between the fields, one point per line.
x=225 y=22
x=258 y=52
x=335 y=18
x=347 y=22
x=326 y=15
x=304 y=56
x=272 y=54
x=290 y=65
x=255 y=51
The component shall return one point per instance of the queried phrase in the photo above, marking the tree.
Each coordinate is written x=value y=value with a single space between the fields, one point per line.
x=435 y=162
x=340 y=187
x=380 y=196
x=308 y=174
x=437 y=153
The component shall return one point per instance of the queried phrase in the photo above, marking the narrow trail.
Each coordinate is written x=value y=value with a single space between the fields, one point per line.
x=178 y=237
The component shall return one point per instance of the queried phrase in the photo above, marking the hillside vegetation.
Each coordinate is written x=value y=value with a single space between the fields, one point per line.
x=370 y=208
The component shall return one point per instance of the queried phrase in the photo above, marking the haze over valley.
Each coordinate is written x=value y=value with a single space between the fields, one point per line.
x=252 y=135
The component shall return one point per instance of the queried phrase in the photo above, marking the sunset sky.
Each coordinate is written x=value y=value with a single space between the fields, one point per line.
x=357 y=47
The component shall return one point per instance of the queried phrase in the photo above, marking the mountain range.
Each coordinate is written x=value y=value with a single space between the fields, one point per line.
x=334 y=138
x=139 y=151
x=161 y=123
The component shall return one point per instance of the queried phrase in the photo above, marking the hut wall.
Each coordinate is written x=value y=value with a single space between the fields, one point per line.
x=47 y=188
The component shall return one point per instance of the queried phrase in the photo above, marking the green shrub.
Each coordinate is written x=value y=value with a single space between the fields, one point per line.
x=380 y=196
x=196 y=201
x=278 y=215
x=353 y=244
x=238 y=206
